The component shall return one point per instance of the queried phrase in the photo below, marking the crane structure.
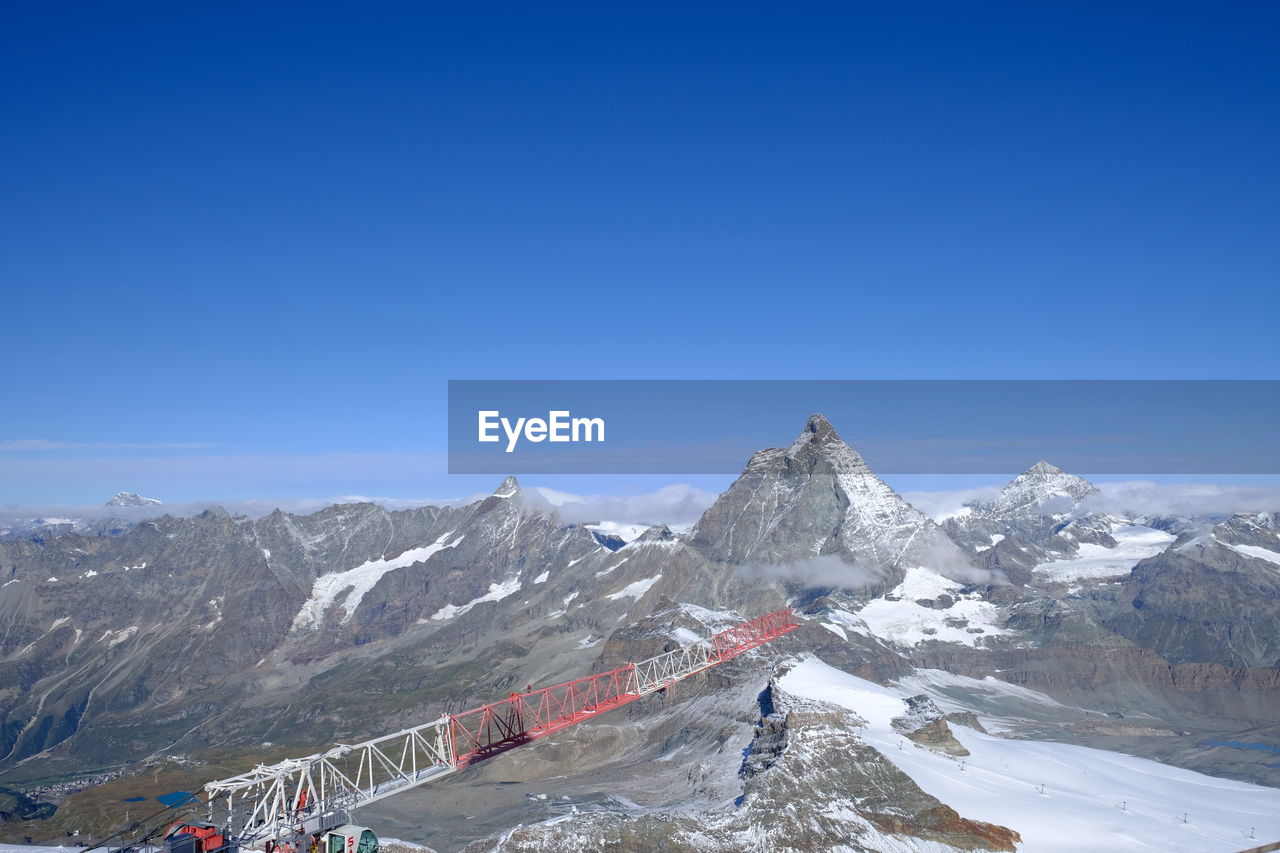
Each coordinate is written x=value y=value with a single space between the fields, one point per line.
x=279 y=805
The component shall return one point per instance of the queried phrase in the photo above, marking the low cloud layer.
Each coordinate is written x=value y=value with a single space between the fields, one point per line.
x=678 y=506
x=827 y=570
x=941 y=505
x=1140 y=497
x=1129 y=498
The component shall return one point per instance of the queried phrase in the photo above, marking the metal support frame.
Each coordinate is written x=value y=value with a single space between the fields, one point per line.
x=300 y=795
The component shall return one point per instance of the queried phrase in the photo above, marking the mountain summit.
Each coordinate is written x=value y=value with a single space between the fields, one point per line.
x=1036 y=518
x=819 y=497
x=1041 y=489
x=131 y=499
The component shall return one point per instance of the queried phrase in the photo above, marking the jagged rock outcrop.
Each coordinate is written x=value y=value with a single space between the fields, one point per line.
x=1043 y=489
x=1254 y=534
x=808 y=782
x=1030 y=519
x=926 y=725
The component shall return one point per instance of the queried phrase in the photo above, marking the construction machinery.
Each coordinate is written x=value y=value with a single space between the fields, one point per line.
x=304 y=805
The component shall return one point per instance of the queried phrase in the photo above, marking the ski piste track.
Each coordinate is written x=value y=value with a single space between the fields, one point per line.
x=278 y=802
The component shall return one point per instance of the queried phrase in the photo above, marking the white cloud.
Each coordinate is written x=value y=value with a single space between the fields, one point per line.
x=1141 y=497
x=678 y=505
x=1127 y=498
x=44 y=444
x=941 y=505
x=827 y=570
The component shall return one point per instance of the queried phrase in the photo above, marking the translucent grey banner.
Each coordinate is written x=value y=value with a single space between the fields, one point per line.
x=900 y=427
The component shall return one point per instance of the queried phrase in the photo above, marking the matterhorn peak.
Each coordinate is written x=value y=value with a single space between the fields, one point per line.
x=819 y=444
x=820 y=428
x=818 y=497
x=131 y=499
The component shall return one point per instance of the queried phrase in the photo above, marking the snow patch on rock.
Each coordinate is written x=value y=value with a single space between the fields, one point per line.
x=359 y=581
x=1255 y=551
x=497 y=592
x=636 y=589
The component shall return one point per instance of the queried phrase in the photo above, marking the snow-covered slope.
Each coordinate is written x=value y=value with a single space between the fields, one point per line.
x=928 y=606
x=1059 y=797
x=1134 y=543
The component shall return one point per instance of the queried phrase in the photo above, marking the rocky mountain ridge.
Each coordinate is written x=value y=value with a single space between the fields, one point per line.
x=355 y=620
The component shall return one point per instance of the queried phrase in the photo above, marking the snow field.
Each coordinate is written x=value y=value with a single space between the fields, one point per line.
x=1135 y=543
x=1060 y=798
x=905 y=623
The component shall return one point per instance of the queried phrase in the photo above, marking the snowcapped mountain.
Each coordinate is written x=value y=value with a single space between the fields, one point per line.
x=1042 y=489
x=296 y=631
x=1039 y=529
x=131 y=499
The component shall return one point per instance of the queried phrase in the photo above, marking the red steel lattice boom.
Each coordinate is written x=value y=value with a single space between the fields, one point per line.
x=276 y=801
x=521 y=717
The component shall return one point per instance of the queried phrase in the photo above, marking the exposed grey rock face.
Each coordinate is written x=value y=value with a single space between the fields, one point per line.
x=444 y=603
x=130 y=639
x=1204 y=602
x=131 y=499
x=817 y=498
x=1252 y=530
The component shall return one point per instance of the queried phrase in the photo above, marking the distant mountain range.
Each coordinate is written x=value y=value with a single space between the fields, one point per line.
x=187 y=646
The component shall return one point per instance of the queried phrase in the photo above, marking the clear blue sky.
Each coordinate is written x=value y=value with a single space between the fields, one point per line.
x=278 y=231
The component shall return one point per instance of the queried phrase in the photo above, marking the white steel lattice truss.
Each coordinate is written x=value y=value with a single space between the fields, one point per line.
x=273 y=801
x=280 y=801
